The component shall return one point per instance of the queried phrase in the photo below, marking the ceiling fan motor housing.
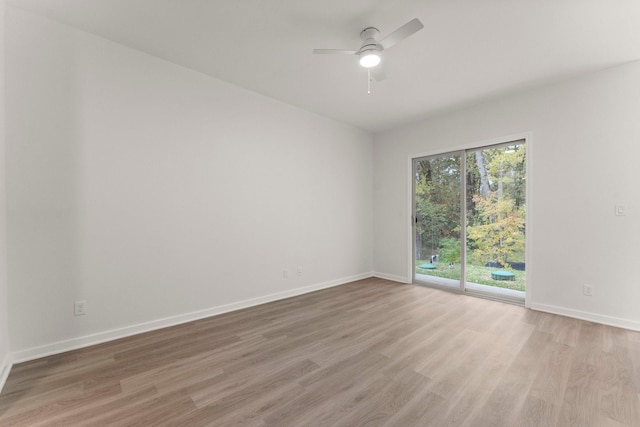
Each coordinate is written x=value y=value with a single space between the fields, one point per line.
x=369 y=33
x=369 y=38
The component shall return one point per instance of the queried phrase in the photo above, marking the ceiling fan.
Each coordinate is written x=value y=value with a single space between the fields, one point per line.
x=370 y=50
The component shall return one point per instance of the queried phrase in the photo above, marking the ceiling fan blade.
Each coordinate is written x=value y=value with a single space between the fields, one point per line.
x=333 y=51
x=378 y=74
x=402 y=33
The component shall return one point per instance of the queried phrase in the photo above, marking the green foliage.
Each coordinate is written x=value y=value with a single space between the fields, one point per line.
x=507 y=167
x=498 y=229
x=437 y=202
x=449 y=250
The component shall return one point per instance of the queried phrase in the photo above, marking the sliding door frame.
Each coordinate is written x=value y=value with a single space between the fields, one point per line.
x=525 y=138
x=414 y=219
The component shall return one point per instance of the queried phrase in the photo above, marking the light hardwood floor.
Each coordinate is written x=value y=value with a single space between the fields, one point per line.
x=371 y=352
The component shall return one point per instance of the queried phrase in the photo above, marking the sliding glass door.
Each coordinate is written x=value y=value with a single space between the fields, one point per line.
x=437 y=218
x=473 y=243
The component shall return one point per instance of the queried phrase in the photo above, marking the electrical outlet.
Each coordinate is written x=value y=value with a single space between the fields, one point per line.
x=587 y=290
x=80 y=308
x=285 y=274
x=299 y=271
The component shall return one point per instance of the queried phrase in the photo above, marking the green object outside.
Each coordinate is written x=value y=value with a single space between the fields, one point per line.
x=427 y=266
x=502 y=275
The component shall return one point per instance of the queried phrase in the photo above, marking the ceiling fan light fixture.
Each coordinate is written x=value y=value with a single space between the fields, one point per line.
x=369 y=58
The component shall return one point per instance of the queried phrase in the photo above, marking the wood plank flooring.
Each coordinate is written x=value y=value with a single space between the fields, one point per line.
x=371 y=352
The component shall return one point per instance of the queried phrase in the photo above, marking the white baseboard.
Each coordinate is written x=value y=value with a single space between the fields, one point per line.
x=5 y=368
x=391 y=277
x=591 y=317
x=577 y=314
x=101 y=337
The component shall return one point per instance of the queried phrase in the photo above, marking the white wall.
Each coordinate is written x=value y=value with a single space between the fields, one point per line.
x=158 y=194
x=4 y=330
x=585 y=160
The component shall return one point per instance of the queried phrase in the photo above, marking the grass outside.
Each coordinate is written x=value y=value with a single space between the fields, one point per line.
x=475 y=274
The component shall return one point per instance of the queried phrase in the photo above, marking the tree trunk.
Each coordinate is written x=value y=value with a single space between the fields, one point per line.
x=484 y=180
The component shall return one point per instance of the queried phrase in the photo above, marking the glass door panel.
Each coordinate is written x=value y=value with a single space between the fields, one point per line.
x=437 y=220
x=495 y=220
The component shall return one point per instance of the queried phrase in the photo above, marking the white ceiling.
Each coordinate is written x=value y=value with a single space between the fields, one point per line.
x=469 y=50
